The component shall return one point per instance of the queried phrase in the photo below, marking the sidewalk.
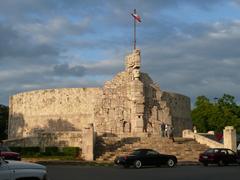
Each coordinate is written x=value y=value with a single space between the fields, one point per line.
x=91 y=163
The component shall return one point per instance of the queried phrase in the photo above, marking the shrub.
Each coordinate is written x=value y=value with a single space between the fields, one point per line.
x=16 y=149
x=26 y=151
x=51 y=151
x=30 y=151
x=71 y=151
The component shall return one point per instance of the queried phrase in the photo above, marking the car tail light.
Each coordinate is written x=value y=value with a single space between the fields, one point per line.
x=211 y=156
x=205 y=157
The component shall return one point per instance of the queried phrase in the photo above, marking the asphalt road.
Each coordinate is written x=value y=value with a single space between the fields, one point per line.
x=60 y=172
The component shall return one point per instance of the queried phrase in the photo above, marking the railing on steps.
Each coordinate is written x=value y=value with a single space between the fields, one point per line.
x=202 y=139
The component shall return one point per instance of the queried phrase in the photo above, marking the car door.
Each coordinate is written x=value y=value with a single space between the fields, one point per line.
x=223 y=156
x=163 y=159
x=152 y=157
x=232 y=156
x=4 y=152
x=142 y=156
x=5 y=173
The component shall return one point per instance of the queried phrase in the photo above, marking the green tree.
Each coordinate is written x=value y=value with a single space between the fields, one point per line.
x=215 y=116
x=201 y=113
x=229 y=112
x=3 y=121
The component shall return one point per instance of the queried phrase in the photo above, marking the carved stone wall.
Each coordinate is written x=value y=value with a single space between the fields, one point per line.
x=67 y=109
x=179 y=107
x=135 y=104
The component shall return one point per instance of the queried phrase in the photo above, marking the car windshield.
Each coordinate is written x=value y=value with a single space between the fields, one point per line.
x=4 y=149
x=136 y=152
x=2 y=160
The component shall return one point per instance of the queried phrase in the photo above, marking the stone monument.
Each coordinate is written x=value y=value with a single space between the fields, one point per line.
x=131 y=104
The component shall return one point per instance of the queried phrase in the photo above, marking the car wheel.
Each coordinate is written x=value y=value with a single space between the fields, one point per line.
x=137 y=164
x=171 y=163
x=221 y=163
x=205 y=164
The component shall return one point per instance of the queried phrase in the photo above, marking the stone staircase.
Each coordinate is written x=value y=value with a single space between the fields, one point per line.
x=184 y=149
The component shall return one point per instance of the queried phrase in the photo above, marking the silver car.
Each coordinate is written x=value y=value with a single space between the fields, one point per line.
x=18 y=170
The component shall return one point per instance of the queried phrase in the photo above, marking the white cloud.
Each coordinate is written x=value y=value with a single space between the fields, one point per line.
x=202 y=65
x=86 y=42
x=55 y=29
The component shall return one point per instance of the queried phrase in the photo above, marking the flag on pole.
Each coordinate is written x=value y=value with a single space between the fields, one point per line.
x=136 y=17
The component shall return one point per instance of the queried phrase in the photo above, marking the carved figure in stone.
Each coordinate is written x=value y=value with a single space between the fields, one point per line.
x=170 y=129
x=136 y=73
x=133 y=61
x=126 y=126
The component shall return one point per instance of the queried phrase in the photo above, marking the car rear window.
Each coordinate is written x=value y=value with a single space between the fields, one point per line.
x=136 y=153
x=152 y=153
x=223 y=151
x=4 y=149
x=211 y=151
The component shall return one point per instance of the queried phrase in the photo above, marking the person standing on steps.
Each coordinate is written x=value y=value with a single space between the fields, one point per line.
x=162 y=129
x=1 y=143
x=171 y=133
x=1 y=146
x=166 y=130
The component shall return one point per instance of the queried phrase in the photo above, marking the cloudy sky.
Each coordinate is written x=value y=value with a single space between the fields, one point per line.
x=188 y=46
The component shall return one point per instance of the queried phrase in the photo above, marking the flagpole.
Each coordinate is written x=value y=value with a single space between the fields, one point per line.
x=134 y=29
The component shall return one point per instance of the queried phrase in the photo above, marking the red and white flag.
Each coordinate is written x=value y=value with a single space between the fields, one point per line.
x=136 y=17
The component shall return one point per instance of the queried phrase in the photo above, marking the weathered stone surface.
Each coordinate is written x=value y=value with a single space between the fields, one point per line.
x=230 y=138
x=187 y=133
x=43 y=139
x=88 y=141
x=51 y=110
x=130 y=104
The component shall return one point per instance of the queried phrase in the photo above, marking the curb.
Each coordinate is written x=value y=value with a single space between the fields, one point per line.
x=188 y=163
x=97 y=163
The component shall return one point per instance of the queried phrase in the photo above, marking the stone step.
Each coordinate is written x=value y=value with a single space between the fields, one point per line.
x=184 y=149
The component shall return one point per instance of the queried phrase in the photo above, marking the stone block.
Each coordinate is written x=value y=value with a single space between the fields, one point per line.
x=230 y=138
x=139 y=109
x=88 y=141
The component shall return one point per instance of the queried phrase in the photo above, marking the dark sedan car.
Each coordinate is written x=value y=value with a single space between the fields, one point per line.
x=146 y=157
x=7 y=154
x=220 y=156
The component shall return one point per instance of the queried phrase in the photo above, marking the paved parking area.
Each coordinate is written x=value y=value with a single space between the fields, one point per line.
x=61 y=172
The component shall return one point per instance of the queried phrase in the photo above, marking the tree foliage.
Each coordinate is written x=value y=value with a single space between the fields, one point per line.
x=217 y=114
x=3 y=121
